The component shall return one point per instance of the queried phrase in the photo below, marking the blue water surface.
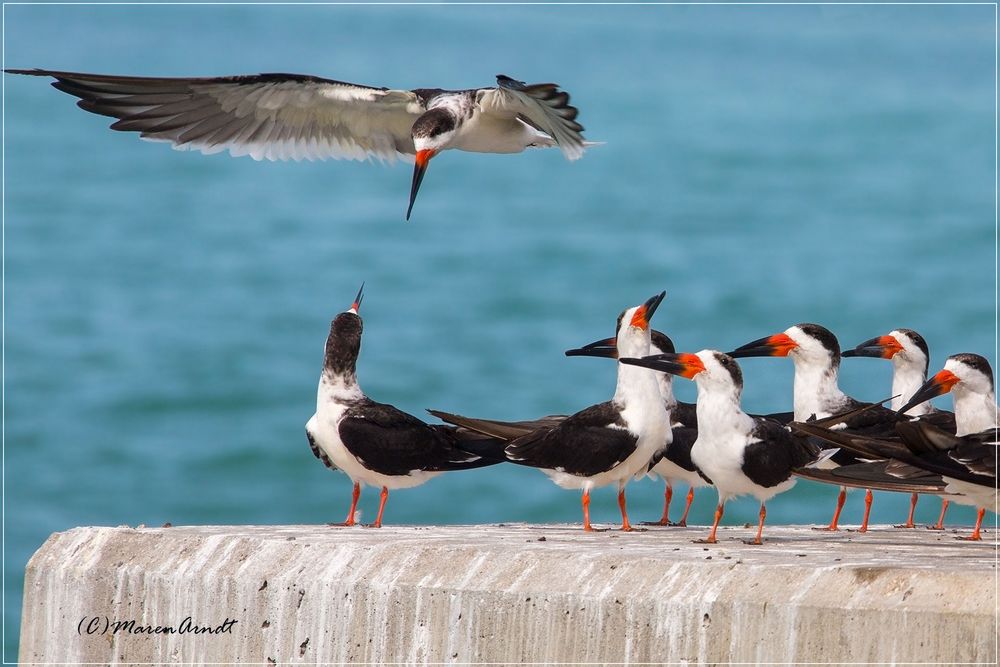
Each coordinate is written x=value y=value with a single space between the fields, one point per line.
x=766 y=165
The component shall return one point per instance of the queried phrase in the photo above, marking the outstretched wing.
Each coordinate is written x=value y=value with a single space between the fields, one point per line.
x=265 y=116
x=541 y=105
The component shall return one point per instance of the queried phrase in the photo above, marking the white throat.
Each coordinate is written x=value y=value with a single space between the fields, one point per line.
x=974 y=411
x=906 y=379
x=815 y=390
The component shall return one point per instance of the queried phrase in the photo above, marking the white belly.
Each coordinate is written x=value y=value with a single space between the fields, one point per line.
x=324 y=431
x=722 y=461
x=671 y=472
x=489 y=134
x=971 y=494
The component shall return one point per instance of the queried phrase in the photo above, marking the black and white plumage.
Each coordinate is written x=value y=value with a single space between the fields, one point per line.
x=375 y=443
x=969 y=378
x=296 y=117
x=910 y=357
x=607 y=443
x=965 y=465
x=673 y=463
x=739 y=453
x=815 y=353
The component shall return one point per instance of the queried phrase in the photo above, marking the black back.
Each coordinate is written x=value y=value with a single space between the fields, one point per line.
x=392 y=442
x=777 y=454
x=583 y=444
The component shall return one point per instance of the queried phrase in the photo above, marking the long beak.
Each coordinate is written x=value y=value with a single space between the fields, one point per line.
x=419 y=168
x=941 y=383
x=644 y=313
x=684 y=364
x=356 y=306
x=882 y=347
x=778 y=345
x=606 y=347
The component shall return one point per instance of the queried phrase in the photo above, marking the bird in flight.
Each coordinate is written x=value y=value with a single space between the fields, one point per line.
x=295 y=116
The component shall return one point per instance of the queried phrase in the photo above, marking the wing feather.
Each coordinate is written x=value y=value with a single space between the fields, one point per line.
x=541 y=105
x=266 y=116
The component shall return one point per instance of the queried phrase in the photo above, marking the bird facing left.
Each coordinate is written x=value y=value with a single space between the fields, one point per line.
x=297 y=116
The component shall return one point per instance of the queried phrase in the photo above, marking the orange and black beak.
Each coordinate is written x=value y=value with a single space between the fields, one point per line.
x=684 y=364
x=606 y=347
x=941 y=383
x=778 y=345
x=419 y=167
x=356 y=306
x=882 y=347
x=644 y=313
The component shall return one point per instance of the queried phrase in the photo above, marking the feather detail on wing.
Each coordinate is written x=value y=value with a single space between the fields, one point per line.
x=541 y=105
x=265 y=116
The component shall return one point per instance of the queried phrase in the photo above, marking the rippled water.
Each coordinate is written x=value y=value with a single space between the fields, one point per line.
x=166 y=311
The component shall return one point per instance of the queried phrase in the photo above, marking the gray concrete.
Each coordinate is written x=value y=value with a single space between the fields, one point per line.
x=511 y=594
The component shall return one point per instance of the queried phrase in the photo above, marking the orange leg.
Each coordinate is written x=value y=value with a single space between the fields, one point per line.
x=626 y=526
x=868 y=511
x=913 y=507
x=668 y=494
x=760 y=525
x=384 y=496
x=349 y=521
x=687 y=508
x=586 y=510
x=715 y=526
x=940 y=524
x=979 y=524
x=840 y=505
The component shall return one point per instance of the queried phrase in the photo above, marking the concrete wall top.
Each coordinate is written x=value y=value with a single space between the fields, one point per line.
x=508 y=594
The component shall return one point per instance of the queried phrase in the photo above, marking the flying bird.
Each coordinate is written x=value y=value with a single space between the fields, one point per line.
x=296 y=116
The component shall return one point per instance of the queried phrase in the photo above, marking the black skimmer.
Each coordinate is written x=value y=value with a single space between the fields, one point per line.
x=963 y=468
x=969 y=378
x=673 y=463
x=607 y=443
x=815 y=352
x=295 y=116
x=910 y=357
x=374 y=443
x=739 y=453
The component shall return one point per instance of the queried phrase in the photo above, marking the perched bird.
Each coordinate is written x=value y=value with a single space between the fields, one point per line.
x=815 y=352
x=374 y=443
x=969 y=378
x=295 y=116
x=672 y=463
x=739 y=453
x=910 y=358
x=966 y=461
x=607 y=443
x=964 y=467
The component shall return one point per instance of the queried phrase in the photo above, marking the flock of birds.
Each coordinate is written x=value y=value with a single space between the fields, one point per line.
x=643 y=429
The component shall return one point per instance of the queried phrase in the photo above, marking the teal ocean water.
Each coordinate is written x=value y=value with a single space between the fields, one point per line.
x=165 y=312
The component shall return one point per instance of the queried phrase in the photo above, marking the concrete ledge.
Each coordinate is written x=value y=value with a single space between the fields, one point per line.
x=509 y=594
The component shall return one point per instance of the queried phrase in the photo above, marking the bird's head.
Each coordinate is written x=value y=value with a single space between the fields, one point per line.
x=965 y=372
x=902 y=346
x=804 y=343
x=343 y=344
x=711 y=369
x=432 y=132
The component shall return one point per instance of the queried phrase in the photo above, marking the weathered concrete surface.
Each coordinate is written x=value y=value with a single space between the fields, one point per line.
x=511 y=594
